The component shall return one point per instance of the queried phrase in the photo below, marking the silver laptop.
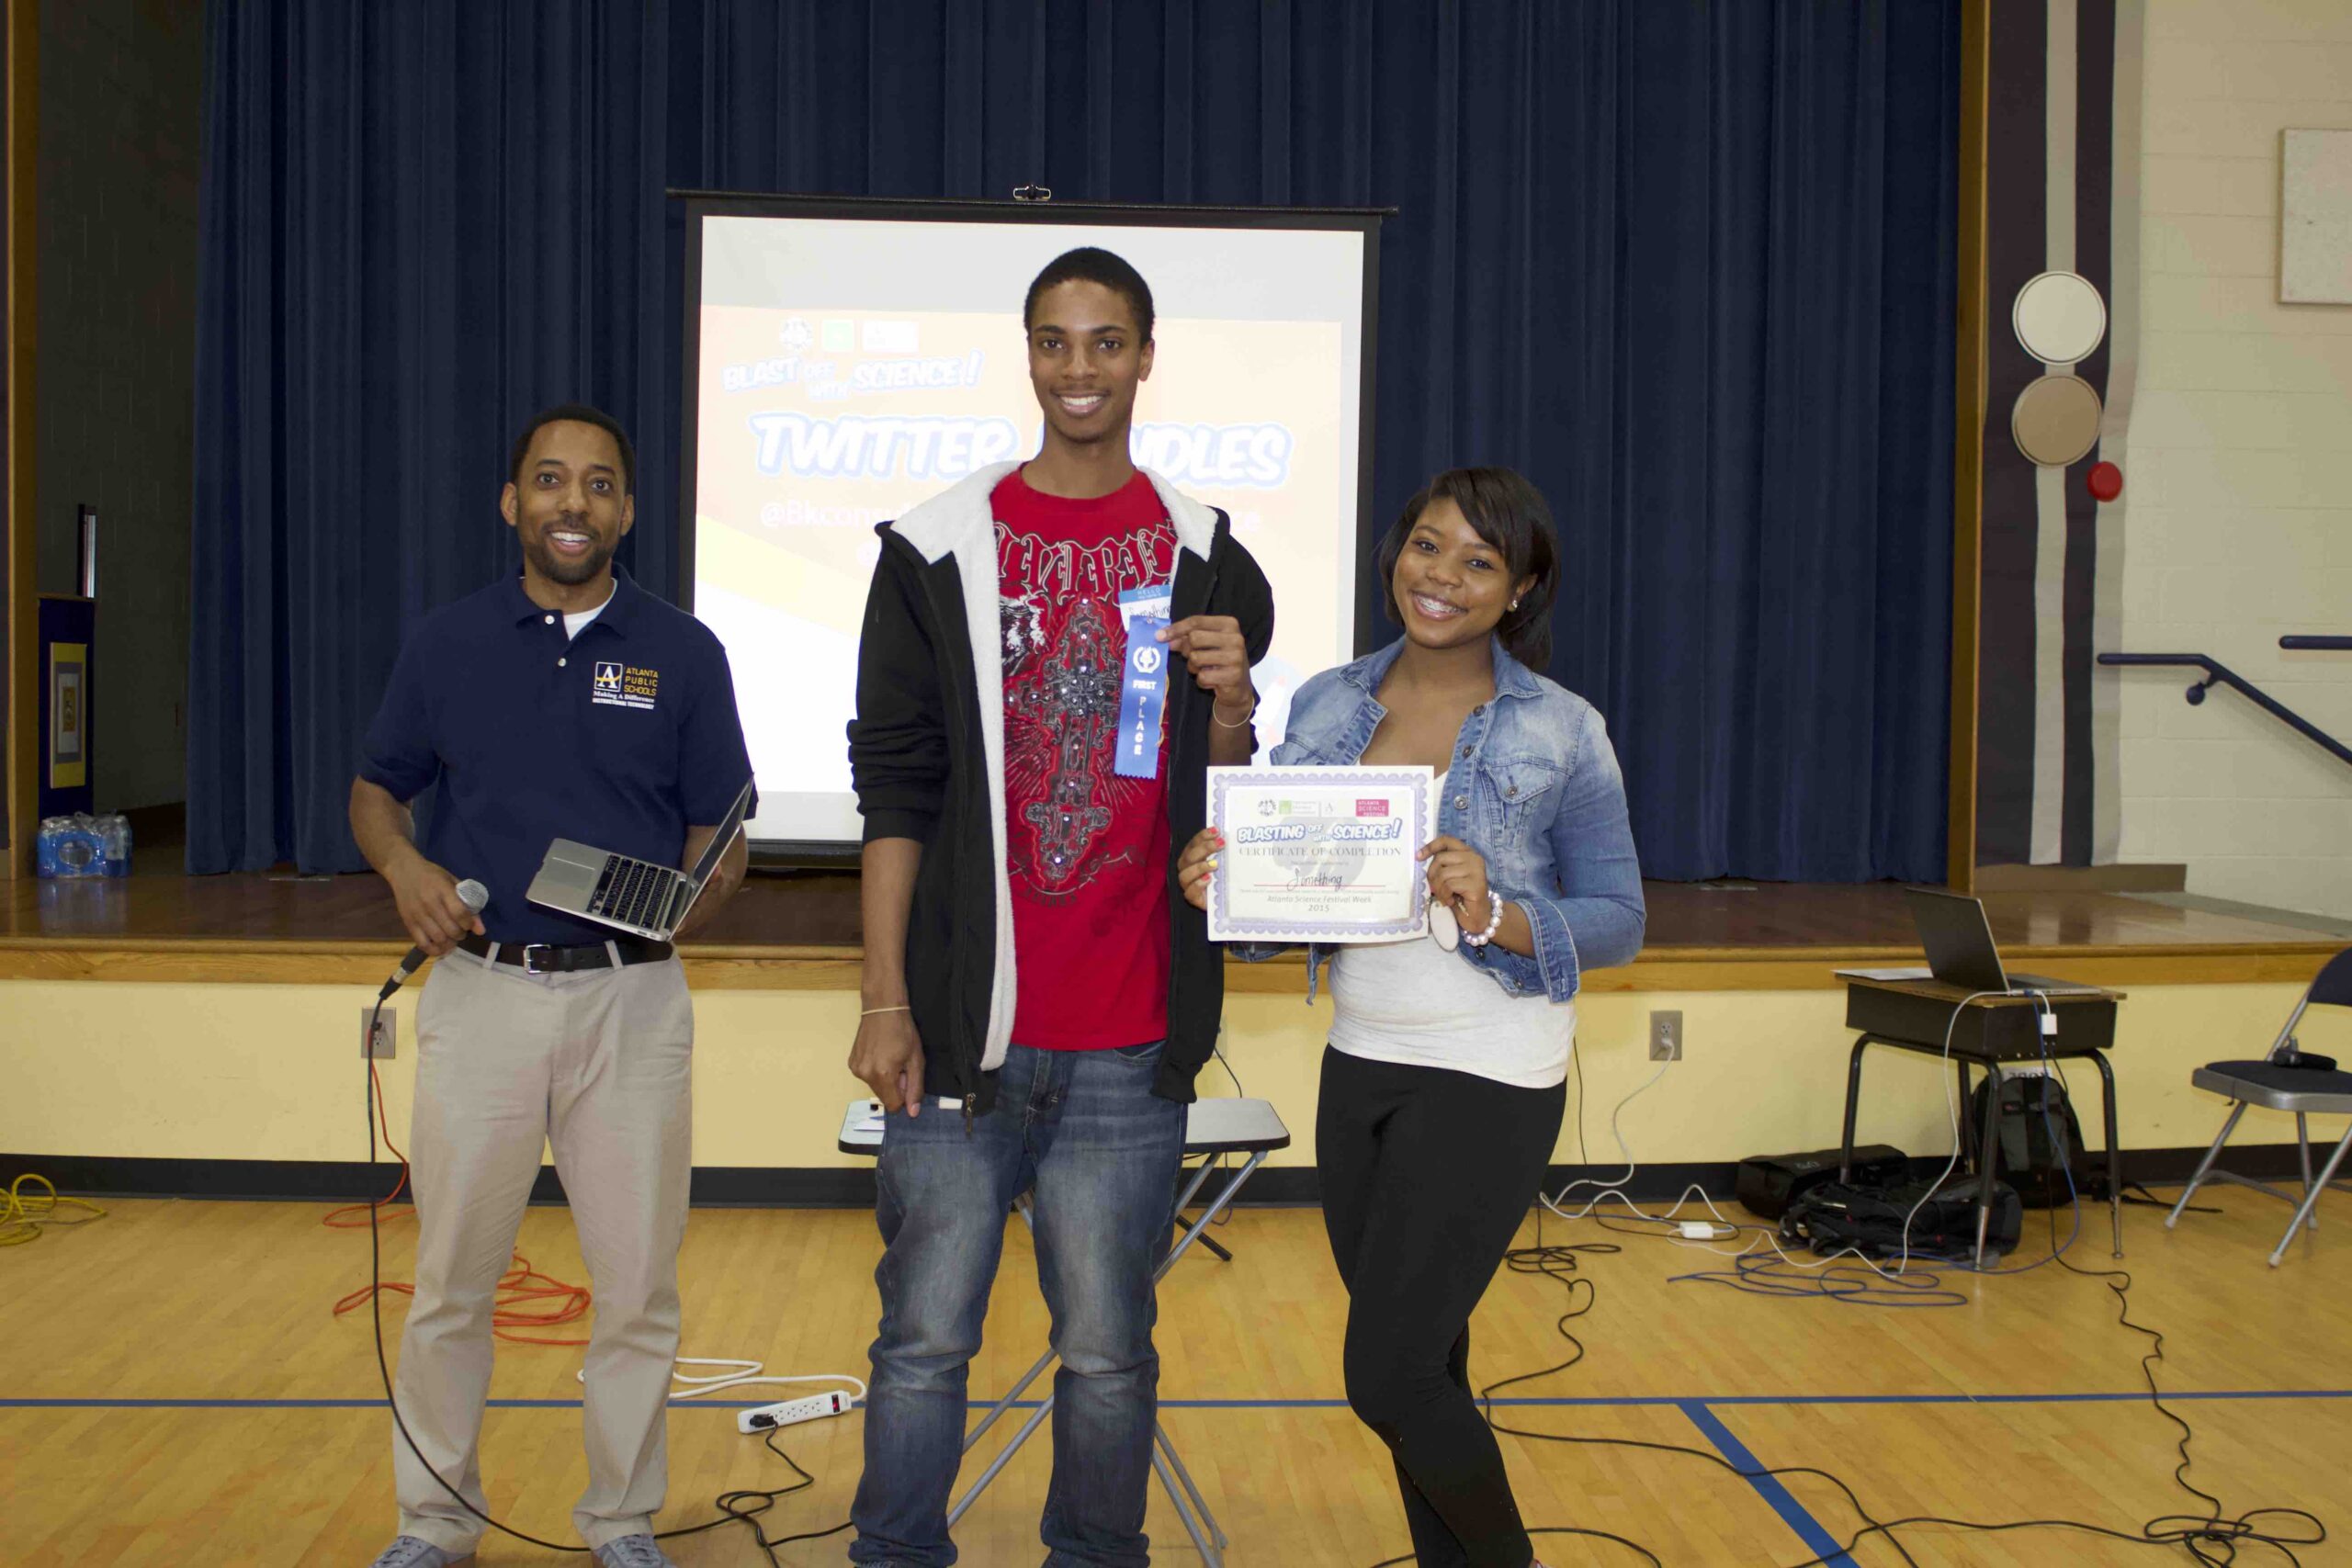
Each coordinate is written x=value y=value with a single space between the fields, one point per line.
x=1961 y=951
x=631 y=895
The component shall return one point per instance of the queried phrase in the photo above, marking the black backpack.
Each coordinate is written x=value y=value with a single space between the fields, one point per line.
x=2039 y=1141
x=1834 y=1217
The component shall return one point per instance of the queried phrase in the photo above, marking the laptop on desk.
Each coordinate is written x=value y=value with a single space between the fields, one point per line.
x=1961 y=950
x=627 y=894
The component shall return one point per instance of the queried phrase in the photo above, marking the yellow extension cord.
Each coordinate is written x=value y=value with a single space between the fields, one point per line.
x=25 y=1215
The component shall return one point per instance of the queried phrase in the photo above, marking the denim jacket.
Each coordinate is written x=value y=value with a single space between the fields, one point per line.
x=1533 y=787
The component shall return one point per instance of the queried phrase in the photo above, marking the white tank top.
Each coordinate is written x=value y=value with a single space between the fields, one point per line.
x=1415 y=1004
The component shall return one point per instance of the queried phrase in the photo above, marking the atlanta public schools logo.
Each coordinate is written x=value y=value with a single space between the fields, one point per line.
x=625 y=685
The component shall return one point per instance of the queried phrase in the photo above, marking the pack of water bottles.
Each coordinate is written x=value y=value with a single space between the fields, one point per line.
x=82 y=845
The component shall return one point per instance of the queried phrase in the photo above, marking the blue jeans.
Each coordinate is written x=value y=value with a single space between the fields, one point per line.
x=1083 y=1133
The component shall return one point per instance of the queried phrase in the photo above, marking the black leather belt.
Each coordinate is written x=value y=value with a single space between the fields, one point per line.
x=546 y=958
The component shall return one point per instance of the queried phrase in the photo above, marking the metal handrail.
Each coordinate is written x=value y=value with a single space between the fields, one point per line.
x=2216 y=671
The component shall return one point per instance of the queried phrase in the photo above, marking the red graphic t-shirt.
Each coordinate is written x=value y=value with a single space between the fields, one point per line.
x=1087 y=849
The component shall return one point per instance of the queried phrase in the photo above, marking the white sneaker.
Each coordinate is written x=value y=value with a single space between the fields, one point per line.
x=633 y=1551
x=408 y=1551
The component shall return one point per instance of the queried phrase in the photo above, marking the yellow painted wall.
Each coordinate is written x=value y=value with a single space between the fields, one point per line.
x=273 y=1072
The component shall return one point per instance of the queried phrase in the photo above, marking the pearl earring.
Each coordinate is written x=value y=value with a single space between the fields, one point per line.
x=1514 y=603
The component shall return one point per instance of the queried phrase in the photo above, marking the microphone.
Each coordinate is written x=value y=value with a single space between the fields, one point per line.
x=471 y=894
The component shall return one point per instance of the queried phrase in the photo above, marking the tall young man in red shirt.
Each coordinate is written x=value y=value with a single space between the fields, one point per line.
x=1054 y=652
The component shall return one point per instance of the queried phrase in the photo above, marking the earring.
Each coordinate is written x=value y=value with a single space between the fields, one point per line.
x=1514 y=603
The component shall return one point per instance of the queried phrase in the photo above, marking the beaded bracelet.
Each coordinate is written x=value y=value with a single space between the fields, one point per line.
x=1494 y=925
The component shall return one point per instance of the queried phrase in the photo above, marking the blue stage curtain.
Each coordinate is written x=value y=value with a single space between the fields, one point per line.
x=1689 y=266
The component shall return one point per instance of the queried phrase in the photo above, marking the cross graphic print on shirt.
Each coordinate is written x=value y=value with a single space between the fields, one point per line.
x=1076 y=700
x=1065 y=651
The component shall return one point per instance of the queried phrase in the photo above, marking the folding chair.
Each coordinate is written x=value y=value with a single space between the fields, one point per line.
x=2285 y=1079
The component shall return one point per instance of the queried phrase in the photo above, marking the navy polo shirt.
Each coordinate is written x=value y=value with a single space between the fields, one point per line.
x=620 y=738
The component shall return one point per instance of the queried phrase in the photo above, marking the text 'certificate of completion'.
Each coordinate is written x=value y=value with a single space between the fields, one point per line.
x=1320 y=854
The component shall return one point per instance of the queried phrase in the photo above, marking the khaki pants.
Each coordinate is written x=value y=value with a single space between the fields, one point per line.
x=598 y=1065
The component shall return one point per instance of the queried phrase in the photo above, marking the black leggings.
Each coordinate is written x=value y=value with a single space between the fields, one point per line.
x=1426 y=1176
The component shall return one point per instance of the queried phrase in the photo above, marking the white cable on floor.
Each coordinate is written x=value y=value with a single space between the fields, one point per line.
x=749 y=1374
x=1951 y=1103
x=745 y=1374
x=1764 y=1236
x=1613 y=1185
x=1615 y=1188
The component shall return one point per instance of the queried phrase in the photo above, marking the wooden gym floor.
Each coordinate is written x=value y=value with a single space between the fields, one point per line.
x=173 y=1389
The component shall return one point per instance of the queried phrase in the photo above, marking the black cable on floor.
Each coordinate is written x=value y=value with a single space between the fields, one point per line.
x=2136 y=1194
x=2191 y=1533
x=1558 y=1262
x=2210 y=1539
x=1646 y=1554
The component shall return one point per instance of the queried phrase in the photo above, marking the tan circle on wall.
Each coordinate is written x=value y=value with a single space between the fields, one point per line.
x=2056 y=420
x=2059 y=317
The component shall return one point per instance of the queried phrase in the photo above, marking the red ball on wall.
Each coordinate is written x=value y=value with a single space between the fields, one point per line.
x=2105 y=482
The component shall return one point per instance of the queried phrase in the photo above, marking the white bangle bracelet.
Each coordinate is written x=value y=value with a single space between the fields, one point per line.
x=1494 y=925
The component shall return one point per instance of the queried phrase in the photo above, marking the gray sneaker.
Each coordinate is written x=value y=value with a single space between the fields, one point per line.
x=633 y=1551
x=408 y=1551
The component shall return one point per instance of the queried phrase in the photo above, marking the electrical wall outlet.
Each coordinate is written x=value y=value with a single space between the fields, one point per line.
x=385 y=1045
x=1666 y=1035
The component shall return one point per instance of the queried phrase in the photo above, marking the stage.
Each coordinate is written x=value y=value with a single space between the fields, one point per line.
x=198 y=1036
x=801 y=930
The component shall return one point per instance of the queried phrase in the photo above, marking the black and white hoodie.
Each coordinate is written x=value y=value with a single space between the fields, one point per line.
x=927 y=759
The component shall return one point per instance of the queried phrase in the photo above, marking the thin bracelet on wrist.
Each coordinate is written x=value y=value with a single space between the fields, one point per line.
x=1240 y=723
x=869 y=1012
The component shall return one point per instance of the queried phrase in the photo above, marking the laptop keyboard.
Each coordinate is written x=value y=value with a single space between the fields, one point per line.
x=633 y=891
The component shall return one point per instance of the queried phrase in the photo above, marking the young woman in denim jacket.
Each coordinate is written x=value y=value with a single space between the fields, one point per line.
x=1446 y=1079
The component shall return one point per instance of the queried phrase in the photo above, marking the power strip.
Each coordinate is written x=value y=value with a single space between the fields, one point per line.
x=792 y=1412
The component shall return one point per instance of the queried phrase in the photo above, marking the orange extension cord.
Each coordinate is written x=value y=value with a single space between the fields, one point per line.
x=519 y=1288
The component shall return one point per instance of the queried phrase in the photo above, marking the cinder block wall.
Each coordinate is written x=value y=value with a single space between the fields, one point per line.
x=2240 y=491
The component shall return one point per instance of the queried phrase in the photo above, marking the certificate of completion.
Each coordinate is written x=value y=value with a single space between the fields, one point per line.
x=1320 y=855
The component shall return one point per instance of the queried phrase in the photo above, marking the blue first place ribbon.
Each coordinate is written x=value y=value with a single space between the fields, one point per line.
x=1143 y=697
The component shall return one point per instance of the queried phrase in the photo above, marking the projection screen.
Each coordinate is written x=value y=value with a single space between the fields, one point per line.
x=847 y=360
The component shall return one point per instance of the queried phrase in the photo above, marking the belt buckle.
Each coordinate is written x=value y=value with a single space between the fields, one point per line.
x=530 y=960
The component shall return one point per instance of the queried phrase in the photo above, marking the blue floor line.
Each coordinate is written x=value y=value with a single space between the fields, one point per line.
x=1681 y=1402
x=1781 y=1501
x=2128 y=1396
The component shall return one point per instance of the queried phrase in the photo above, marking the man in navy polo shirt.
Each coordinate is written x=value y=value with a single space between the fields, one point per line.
x=564 y=702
